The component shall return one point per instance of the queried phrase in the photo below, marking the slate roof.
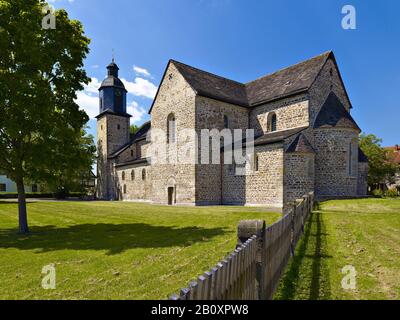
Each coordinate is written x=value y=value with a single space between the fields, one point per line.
x=139 y=135
x=300 y=144
x=109 y=111
x=295 y=79
x=283 y=83
x=142 y=161
x=277 y=136
x=112 y=81
x=334 y=114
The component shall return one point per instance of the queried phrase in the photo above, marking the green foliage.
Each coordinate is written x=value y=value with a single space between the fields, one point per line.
x=391 y=193
x=115 y=250
x=70 y=175
x=40 y=73
x=377 y=193
x=362 y=233
x=134 y=128
x=380 y=169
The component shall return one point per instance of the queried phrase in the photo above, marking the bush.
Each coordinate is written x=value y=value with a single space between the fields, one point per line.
x=391 y=193
x=377 y=193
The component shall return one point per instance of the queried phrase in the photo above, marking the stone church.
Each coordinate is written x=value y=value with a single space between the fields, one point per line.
x=305 y=138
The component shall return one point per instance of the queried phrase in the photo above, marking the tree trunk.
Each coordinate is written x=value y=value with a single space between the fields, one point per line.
x=23 y=218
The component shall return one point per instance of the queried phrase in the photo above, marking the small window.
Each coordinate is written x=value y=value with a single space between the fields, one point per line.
x=255 y=164
x=226 y=122
x=118 y=127
x=101 y=127
x=331 y=72
x=133 y=175
x=123 y=175
x=273 y=123
x=144 y=174
x=3 y=187
x=171 y=128
x=124 y=188
x=131 y=153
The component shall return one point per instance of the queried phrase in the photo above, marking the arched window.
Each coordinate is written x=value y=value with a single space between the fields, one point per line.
x=171 y=128
x=124 y=188
x=271 y=122
x=131 y=153
x=144 y=174
x=123 y=175
x=226 y=122
x=350 y=156
x=133 y=175
x=255 y=165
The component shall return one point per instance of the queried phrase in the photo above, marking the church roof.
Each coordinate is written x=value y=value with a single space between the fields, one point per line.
x=277 y=136
x=109 y=111
x=334 y=114
x=139 y=135
x=112 y=81
x=300 y=144
x=283 y=83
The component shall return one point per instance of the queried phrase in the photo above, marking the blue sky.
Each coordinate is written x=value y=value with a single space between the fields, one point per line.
x=243 y=40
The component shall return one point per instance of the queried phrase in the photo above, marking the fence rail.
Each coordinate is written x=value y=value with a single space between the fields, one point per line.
x=253 y=270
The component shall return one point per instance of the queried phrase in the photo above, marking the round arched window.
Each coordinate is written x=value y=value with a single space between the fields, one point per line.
x=133 y=175
x=144 y=174
x=123 y=175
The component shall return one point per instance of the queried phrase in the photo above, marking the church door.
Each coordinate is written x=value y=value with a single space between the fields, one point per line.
x=171 y=195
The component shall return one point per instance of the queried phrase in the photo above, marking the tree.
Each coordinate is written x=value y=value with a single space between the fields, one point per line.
x=134 y=128
x=69 y=175
x=379 y=166
x=40 y=72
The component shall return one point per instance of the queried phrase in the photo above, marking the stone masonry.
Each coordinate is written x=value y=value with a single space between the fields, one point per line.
x=304 y=140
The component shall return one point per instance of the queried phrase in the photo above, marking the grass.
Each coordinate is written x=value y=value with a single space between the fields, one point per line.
x=362 y=233
x=114 y=250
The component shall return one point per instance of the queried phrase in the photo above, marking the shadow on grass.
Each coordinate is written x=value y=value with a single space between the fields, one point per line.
x=308 y=267
x=115 y=238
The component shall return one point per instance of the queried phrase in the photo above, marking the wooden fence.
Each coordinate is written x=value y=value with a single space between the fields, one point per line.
x=254 y=269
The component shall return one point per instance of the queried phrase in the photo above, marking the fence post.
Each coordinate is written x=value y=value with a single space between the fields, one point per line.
x=247 y=229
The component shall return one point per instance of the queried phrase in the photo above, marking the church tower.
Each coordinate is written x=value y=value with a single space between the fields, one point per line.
x=112 y=130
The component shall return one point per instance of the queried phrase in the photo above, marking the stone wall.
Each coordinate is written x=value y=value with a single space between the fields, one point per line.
x=333 y=176
x=290 y=113
x=262 y=187
x=210 y=115
x=137 y=186
x=177 y=97
x=299 y=175
x=328 y=80
x=112 y=133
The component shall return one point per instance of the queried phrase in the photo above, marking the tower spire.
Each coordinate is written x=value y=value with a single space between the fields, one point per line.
x=113 y=55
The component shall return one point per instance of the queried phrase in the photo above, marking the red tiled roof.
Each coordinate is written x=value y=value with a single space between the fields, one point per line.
x=395 y=157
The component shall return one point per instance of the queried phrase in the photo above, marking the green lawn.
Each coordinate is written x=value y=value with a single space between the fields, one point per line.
x=114 y=250
x=362 y=233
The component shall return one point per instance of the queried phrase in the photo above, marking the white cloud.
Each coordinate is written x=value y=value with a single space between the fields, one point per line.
x=141 y=71
x=141 y=88
x=88 y=98
x=136 y=112
x=88 y=102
